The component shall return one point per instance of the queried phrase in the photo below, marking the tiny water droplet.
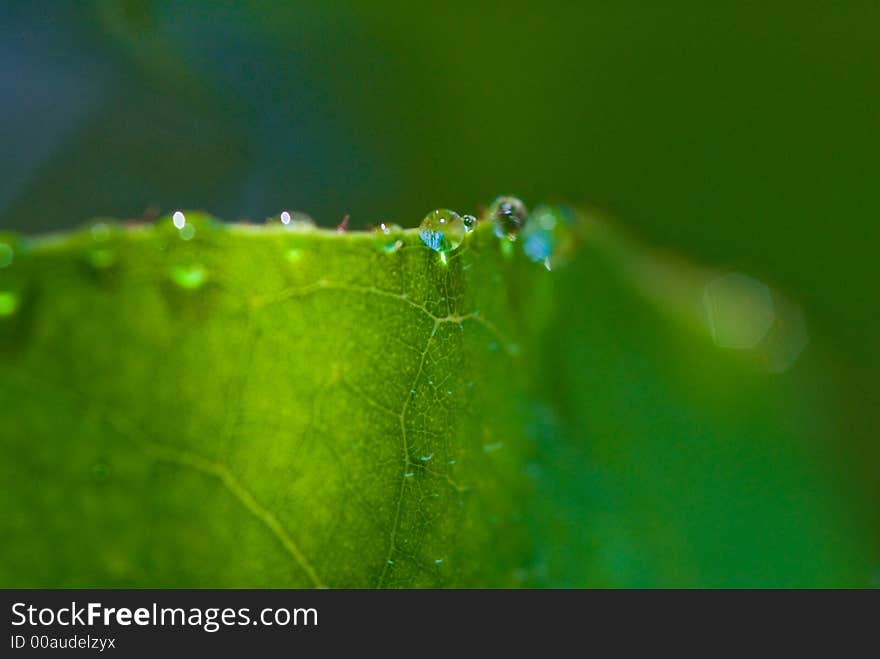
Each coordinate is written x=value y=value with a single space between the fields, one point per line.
x=390 y=562
x=548 y=236
x=189 y=277
x=188 y=232
x=408 y=474
x=442 y=230
x=451 y=462
x=297 y=221
x=7 y=254
x=101 y=232
x=508 y=216
x=437 y=561
x=179 y=220
x=470 y=223
x=427 y=458
x=392 y=247
x=8 y=303
x=388 y=228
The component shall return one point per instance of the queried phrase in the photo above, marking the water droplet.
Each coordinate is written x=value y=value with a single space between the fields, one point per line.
x=7 y=254
x=179 y=220
x=297 y=221
x=189 y=277
x=392 y=247
x=548 y=236
x=8 y=303
x=390 y=562
x=188 y=232
x=408 y=474
x=452 y=462
x=508 y=216
x=427 y=458
x=470 y=223
x=442 y=230
x=388 y=228
x=437 y=561
x=101 y=232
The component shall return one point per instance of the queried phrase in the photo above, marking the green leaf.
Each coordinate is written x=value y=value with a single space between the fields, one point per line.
x=242 y=406
x=259 y=407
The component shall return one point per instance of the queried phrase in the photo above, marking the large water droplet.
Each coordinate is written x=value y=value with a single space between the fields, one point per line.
x=548 y=235
x=442 y=230
x=508 y=216
x=8 y=303
x=7 y=254
x=189 y=277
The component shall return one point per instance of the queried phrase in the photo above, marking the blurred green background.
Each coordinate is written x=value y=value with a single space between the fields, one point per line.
x=743 y=135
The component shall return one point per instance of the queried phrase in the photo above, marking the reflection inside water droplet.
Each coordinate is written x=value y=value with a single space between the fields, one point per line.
x=189 y=277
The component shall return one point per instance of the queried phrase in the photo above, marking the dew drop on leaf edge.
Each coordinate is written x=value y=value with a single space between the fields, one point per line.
x=508 y=214
x=548 y=236
x=442 y=230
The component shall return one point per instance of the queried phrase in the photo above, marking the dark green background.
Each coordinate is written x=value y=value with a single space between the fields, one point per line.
x=741 y=134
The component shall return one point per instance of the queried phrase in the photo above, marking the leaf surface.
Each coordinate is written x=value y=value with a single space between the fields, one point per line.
x=260 y=407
